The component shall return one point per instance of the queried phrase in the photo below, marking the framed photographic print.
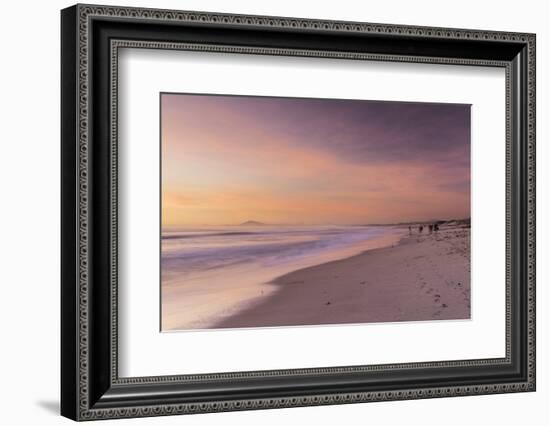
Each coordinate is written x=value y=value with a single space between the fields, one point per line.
x=263 y=212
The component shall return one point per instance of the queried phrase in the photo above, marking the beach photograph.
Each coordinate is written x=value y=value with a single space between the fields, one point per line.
x=279 y=212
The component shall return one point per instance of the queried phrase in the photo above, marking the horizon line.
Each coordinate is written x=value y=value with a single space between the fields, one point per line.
x=259 y=223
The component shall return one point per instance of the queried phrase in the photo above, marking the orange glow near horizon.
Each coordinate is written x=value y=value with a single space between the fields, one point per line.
x=228 y=160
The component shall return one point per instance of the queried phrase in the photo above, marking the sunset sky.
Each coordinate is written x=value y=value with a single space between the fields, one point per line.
x=230 y=159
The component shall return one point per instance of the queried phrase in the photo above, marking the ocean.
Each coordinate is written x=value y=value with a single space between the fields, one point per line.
x=212 y=272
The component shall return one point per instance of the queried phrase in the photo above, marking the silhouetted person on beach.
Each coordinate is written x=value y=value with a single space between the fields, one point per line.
x=431 y=228
x=436 y=227
x=420 y=228
x=410 y=230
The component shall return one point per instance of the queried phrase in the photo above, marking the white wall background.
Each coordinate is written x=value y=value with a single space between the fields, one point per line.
x=29 y=215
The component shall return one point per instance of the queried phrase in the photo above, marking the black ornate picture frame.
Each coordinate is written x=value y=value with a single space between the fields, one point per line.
x=91 y=37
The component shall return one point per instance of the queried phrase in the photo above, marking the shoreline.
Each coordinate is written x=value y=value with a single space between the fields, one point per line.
x=422 y=277
x=241 y=290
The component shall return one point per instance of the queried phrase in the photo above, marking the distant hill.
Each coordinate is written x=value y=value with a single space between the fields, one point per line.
x=252 y=223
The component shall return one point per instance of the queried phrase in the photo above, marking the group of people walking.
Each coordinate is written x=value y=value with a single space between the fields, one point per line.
x=431 y=227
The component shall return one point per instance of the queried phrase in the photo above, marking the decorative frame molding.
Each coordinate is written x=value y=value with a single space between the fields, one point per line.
x=91 y=388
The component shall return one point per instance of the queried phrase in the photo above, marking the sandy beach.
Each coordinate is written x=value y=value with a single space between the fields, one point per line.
x=213 y=274
x=423 y=277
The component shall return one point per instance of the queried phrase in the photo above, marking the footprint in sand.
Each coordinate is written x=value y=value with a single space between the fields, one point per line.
x=436 y=314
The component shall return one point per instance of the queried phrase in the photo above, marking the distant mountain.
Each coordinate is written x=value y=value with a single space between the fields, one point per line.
x=252 y=223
